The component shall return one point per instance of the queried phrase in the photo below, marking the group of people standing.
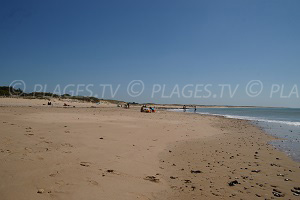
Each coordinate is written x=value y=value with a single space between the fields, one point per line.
x=184 y=108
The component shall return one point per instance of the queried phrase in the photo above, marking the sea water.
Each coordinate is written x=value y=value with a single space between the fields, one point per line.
x=283 y=123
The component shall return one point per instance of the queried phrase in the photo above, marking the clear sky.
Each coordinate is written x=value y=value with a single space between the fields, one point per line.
x=159 y=42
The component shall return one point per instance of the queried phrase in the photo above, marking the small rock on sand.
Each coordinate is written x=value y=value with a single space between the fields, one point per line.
x=152 y=178
x=196 y=171
x=40 y=191
x=233 y=183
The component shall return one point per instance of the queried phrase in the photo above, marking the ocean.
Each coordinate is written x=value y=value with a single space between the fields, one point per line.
x=283 y=123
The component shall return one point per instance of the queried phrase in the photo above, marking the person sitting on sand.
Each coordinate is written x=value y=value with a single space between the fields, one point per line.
x=143 y=108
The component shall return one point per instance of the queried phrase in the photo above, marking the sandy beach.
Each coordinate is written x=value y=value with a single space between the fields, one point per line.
x=106 y=152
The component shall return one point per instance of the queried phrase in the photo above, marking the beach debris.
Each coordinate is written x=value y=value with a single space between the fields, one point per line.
x=187 y=181
x=40 y=191
x=277 y=193
x=280 y=174
x=53 y=174
x=287 y=179
x=233 y=183
x=256 y=170
x=85 y=164
x=101 y=138
x=296 y=191
x=152 y=179
x=110 y=170
x=173 y=177
x=196 y=171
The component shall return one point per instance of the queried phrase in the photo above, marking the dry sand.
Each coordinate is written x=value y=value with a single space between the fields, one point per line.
x=115 y=153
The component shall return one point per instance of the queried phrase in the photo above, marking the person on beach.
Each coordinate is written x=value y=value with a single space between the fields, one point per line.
x=152 y=109
x=195 y=109
x=142 y=108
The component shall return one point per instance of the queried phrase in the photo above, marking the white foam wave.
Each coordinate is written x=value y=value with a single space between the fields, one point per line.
x=254 y=119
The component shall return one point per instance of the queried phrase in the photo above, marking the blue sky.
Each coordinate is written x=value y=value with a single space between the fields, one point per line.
x=164 y=42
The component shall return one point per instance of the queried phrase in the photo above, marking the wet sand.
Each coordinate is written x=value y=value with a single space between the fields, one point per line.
x=115 y=153
x=204 y=168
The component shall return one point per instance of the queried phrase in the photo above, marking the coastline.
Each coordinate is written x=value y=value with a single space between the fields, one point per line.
x=260 y=170
x=286 y=130
x=116 y=153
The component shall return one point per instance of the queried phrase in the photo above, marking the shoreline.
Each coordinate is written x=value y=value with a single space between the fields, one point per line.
x=267 y=173
x=116 y=153
x=279 y=130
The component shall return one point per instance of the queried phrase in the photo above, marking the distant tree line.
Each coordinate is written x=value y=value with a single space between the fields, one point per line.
x=6 y=91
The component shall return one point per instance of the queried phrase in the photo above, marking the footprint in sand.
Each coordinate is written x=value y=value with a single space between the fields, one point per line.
x=40 y=158
x=67 y=145
x=29 y=150
x=54 y=174
x=5 y=151
x=85 y=164
x=61 y=182
x=93 y=182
